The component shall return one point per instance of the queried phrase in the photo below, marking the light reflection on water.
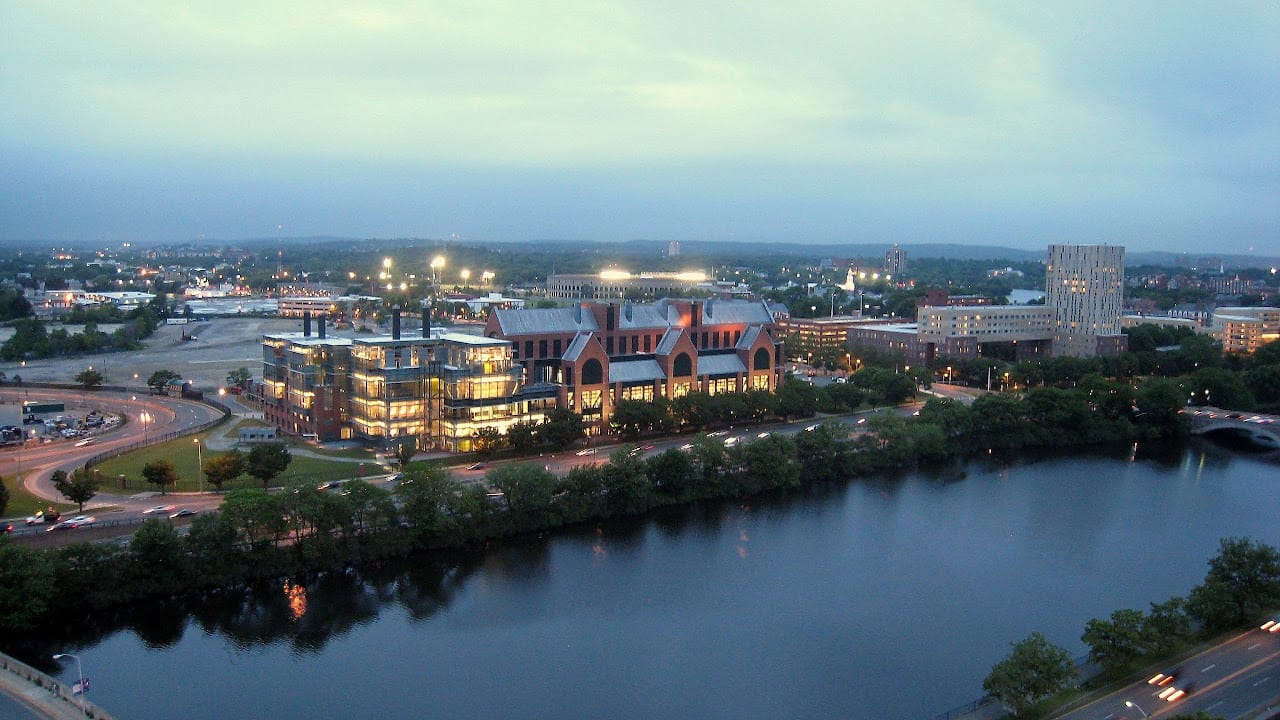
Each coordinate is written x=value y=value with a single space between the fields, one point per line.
x=887 y=598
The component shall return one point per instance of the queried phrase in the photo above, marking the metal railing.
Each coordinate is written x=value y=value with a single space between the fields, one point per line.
x=77 y=704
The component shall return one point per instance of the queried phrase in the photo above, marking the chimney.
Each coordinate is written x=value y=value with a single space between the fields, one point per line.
x=306 y=323
x=426 y=320
x=395 y=323
x=320 y=326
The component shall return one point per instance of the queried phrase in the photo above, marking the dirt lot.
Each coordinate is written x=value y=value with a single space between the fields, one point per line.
x=220 y=346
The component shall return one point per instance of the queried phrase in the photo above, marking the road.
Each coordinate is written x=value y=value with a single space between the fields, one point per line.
x=149 y=417
x=1235 y=679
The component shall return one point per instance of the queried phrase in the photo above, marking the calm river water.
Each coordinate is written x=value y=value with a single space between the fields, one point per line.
x=882 y=599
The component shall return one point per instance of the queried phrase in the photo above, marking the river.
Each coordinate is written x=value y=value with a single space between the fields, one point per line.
x=881 y=599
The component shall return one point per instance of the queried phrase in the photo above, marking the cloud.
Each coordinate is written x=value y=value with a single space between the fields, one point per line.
x=1003 y=108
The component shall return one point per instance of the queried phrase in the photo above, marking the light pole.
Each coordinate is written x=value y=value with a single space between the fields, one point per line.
x=79 y=674
x=199 y=463
x=1136 y=706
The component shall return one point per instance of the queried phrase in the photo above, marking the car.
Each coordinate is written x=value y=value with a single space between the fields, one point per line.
x=6 y=528
x=86 y=441
x=78 y=521
x=44 y=516
x=160 y=510
x=763 y=435
x=1161 y=679
x=687 y=446
x=475 y=466
x=330 y=485
x=1271 y=626
x=587 y=451
x=811 y=428
x=184 y=512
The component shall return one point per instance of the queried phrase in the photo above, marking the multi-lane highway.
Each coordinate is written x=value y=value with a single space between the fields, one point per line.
x=1238 y=678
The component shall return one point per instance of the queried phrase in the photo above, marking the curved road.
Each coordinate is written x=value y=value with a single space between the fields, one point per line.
x=36 y=462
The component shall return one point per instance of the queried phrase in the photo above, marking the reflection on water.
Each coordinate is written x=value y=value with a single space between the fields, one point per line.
x=804 y=605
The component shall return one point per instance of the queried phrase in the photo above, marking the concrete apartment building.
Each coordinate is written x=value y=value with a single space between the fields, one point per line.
x=1085 y=285
x=1080 y=317
x=1245 y=329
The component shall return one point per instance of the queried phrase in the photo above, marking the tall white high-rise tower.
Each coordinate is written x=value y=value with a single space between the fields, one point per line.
x=1085 y=285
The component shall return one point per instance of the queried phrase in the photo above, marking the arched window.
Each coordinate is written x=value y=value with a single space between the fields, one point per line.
x=592 y=372
x=683 y=366
x=760 y=361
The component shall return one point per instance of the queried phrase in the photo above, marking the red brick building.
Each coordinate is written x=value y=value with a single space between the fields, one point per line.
x=600 y=353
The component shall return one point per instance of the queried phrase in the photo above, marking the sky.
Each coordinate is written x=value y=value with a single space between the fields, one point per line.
x=1155 y=125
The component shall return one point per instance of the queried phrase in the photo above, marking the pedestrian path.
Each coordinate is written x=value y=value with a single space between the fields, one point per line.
x=43 y=694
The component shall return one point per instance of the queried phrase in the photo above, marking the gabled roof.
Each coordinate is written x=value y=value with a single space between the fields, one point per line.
x=728 y=364
x=576 y=346
x=527 y=321
x=637 y=317
x=668 y=341
x=748 y=337
x=730 y=312
x=635 y=371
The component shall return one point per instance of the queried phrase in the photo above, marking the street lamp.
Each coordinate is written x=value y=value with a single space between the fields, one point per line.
x=199 y=463
x=1136 y=706
x=80 y=675
x=437 y=263
x=145 y=417
x=466 y=276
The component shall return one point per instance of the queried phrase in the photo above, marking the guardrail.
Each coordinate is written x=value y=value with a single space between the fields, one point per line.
x=77 y=705
x=163 y=437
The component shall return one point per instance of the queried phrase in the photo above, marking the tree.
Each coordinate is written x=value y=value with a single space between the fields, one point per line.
x=267 y=461
x=562 y=428
x=522 y=436
x=1242 y=584
x=405 y=452
x=239 y=377
x=223 y=468
x=160 y=380
x=1035 y=670
x=255 y=515
x=1117 y=642
x=89 y=379
x=160 y=473
x=79 y=487
x=485 y=440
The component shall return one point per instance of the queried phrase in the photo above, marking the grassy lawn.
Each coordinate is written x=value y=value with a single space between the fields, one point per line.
x=184 y=455
x=23 y=503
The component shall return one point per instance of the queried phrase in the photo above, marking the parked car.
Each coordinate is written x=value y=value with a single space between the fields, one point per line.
x=184 y=512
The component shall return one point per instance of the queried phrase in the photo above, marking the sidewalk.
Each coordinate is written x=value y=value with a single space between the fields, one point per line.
x=42 y=694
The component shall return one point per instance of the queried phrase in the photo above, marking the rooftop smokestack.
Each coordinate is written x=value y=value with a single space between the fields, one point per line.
x=306 y=323
x=320 y=325
x=395 y=323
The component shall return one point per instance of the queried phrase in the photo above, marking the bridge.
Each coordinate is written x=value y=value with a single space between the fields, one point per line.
x=1261 y=430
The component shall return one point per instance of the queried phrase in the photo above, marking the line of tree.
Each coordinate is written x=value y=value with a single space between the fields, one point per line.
x=33 y=339
x=1241 y=586
x=261 y=534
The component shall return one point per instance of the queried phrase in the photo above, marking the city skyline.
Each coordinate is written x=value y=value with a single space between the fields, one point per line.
x=1153 y=127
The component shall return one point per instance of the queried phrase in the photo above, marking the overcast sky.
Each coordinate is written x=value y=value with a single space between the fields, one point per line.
x=1155 y=124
